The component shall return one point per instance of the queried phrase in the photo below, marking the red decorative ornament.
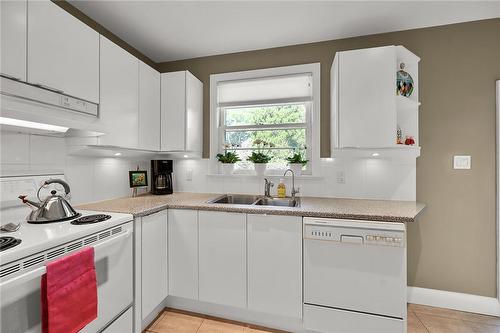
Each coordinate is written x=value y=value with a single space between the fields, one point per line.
x=410 y=141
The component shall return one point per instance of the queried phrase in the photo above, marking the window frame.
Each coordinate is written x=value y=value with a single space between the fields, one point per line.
x=217 y=124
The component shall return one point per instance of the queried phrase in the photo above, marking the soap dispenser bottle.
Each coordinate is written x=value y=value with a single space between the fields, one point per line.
x=281 y=189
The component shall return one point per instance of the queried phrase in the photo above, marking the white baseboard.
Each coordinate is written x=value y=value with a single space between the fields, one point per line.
x=455 y=301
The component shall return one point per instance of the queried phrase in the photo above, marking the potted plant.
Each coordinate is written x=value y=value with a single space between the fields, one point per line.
x=297 y=161
x=260 y=157
x=228 y=159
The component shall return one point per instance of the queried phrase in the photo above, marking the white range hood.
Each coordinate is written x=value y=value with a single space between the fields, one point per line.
x=33 y=109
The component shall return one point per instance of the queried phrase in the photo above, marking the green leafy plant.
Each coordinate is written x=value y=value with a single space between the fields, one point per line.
x=298 y=157
x=262 y=154
x=228 y=157
x=257 y=157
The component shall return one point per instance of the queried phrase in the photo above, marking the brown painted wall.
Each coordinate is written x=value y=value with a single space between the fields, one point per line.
x=453 y=246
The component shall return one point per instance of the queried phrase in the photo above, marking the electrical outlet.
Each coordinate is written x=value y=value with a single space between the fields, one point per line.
x=340 y=177
x=189 y=175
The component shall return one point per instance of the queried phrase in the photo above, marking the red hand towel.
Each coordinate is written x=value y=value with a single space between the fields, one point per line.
x=69 y=293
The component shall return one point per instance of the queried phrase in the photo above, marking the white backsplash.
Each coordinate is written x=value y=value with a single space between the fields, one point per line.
x=367 y=178
x=98 y=178
x=90 y=178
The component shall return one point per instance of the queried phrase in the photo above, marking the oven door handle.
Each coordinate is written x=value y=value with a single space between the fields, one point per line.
x=28 y=276
x=33 y=274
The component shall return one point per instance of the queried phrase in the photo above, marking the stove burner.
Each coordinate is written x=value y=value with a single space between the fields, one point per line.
x=8 y=242
x=91 y=219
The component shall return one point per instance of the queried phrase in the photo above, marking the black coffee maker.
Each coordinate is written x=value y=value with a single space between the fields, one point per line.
x=161 y=176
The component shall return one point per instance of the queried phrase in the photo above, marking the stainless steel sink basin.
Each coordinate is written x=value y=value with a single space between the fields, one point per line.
x=236 y=199
x=282 y=202
x=245 y=199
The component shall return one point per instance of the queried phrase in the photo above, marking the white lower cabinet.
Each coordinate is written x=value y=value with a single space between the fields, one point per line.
x=123 y=324
x=275 y=264
x=222 y=255
x=154 y=261
x=183 y=253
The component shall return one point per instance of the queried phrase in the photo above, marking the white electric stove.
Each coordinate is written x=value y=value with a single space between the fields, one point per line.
x=25 y=252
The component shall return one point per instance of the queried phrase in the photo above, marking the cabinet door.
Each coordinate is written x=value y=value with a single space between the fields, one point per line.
x=149 y=107
x=275 y=264
x=173 y=111
x=183 y=253
x=63 y=52
x=13 y=43
x=223 y=258
x=154 y=261
x=119 y=96
x=194 y=113
x=366 y=98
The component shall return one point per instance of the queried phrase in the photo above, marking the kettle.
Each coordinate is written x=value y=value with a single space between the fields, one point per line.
x=54 y=208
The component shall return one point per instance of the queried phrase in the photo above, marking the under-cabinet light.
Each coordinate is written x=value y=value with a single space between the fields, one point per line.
x=375 y=154
x=31 y=124
x=118 y=154
x=185 y=156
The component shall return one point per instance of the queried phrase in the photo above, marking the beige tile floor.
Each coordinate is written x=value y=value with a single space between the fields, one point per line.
x=421 y=319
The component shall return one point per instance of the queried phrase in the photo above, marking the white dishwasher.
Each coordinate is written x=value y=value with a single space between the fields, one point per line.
x=354 y=276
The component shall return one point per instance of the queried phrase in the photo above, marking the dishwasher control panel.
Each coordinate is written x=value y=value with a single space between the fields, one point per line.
x=353 y=235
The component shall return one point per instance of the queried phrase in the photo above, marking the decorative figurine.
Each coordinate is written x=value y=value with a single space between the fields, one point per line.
x=410 y=141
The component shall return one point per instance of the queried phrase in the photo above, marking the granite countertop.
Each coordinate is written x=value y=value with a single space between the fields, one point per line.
x=358 y=209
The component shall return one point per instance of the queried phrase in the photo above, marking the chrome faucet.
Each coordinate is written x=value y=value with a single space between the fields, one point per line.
x=267 y=187
x=294 y=190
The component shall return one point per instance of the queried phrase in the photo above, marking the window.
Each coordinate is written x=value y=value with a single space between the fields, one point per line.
x=272 y=109
x=280 y=129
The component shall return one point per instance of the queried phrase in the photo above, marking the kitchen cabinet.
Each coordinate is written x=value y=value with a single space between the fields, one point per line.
x=181 y=113
x=149 y=108
x=124 y=323
x=275 y=264
x=222 y=255
x=119 y=96
x=154 y=261
x=63 y=52
x=13 y=42
x=366 y=112
x=183 y=253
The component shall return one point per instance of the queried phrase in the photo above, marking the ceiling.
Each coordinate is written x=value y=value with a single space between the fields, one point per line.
x=173 y=30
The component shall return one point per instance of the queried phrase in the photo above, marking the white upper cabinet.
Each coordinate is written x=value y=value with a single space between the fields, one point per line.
x=366 y=111
x=183 y=253
x=222 y=267
x=154 y=261
x=275 y=264
x=149 y=108
x=63 y=52
x=119 y=114
x=13 y=42
x=181 y=113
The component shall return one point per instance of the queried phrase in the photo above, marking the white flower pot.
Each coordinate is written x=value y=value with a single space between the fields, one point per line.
x=296 y=168
x=260 y=168
x=227 y=168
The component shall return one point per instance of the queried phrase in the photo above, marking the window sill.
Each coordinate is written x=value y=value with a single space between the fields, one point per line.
x=274 y=176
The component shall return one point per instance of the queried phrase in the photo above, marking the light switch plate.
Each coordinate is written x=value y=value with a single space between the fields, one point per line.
x=462 y=162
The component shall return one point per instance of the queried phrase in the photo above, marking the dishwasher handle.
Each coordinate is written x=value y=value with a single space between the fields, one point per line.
x=351 y=239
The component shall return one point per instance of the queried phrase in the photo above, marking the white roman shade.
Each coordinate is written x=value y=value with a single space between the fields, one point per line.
x=265 y=90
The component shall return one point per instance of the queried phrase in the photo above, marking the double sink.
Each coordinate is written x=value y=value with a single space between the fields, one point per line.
x=255 y=200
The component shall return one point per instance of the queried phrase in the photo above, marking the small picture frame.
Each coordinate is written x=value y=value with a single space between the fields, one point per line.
x=138 y=178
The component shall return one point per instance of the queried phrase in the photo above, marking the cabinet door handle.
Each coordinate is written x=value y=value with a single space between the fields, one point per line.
x=11 y=77
x=48 y=88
